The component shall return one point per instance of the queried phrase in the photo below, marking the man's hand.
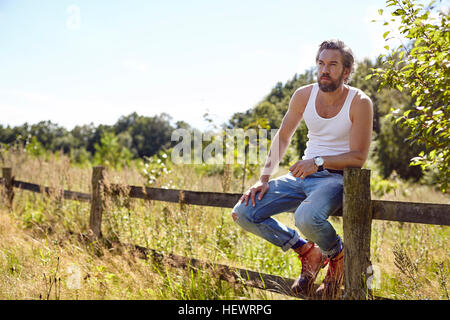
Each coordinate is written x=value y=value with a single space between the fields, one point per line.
x=260 y=187
x=303 y=168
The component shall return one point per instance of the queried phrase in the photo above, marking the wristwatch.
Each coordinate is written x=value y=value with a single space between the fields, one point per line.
x=319 y=163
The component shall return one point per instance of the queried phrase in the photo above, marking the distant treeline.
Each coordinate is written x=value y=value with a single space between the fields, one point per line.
x=143 y=136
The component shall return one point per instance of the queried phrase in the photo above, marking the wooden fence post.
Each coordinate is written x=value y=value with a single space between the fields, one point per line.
x=357 y=224
x=9 y=185
x=97 y=201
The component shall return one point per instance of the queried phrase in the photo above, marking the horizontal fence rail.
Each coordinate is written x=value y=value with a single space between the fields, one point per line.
x=67 y=194
x=230 y=274
x=425 y=213
x=399 y=211
x=358 y=211
x=258 y=280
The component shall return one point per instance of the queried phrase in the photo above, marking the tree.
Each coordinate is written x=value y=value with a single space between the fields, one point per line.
x=83 y=135
x=148 y=134
x=370 y=87
x=51 y=136
x=421 y=68
x=391 y=150
x=110 y=152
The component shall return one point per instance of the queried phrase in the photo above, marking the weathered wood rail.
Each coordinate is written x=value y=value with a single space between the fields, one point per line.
x=358 y=211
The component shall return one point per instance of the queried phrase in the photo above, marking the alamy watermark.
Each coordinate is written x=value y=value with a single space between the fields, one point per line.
x=374 y=280
x=229 y=146
x=74 y=19
x=73 y=281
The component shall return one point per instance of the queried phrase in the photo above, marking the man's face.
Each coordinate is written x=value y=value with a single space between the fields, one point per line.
x=331 y=72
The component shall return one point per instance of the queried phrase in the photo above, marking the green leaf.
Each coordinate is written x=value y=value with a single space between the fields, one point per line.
x=432 y=154
x=398 y=12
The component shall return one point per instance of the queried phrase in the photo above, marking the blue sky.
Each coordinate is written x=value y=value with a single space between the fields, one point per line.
x=77 y=62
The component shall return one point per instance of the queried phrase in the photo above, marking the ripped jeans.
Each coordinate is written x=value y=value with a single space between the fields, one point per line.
x=313 y=199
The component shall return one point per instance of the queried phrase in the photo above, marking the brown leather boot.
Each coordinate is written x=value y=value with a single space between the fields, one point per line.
x=330 y=289
x=312 y=261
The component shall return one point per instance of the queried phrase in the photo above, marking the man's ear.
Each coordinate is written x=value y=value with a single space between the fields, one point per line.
x=347 y=72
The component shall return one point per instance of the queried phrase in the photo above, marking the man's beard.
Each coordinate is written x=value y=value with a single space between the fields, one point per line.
x=332 y=85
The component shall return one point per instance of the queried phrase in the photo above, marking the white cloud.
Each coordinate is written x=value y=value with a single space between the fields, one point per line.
x=135 y=65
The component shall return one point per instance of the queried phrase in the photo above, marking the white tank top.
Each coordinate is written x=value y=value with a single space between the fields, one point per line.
x=327 y=137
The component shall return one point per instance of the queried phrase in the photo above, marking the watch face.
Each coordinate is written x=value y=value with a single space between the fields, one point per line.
x=318 y=161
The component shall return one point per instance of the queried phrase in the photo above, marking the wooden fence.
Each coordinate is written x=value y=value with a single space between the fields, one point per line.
x=357 y=211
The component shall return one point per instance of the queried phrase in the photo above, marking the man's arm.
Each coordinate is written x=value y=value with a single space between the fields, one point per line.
x=280 y=143
x=360 y=138
x=284 y=135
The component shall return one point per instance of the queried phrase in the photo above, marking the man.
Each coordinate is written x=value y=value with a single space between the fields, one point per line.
x=339 y=122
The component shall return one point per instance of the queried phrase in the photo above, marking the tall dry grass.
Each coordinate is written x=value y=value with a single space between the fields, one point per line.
x=42 y=250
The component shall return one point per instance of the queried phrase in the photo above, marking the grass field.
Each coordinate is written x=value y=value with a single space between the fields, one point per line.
x=43 y=255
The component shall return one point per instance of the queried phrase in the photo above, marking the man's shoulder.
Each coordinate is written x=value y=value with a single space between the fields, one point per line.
x=301 y=95
x=362 y=105
x=361 y=98
x=304 y=91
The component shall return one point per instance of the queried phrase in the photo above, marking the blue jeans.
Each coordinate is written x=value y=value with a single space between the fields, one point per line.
x=313 y=200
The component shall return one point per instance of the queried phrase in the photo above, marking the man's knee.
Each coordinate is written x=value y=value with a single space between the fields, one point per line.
x=237 y=211
x=307 y=222
x=240 y=211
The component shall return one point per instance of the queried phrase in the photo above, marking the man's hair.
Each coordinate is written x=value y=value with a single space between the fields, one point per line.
x=347 y=54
